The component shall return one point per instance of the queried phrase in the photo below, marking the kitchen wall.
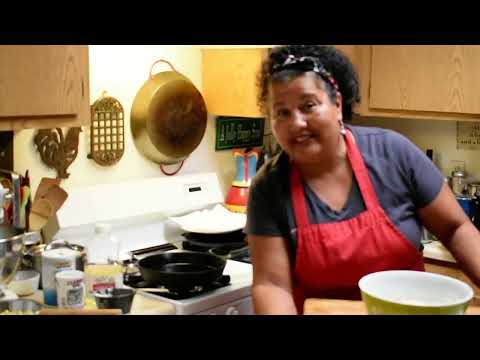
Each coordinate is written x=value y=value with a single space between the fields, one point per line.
x=121 y=70
x=439 y=135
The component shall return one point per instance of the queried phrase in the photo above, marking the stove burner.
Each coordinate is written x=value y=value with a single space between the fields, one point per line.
x=181 y=294
x=194 y=245
x=234 y=251
x=237 y=236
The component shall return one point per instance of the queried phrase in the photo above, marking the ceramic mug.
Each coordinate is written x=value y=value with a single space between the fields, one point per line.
x=70 y=289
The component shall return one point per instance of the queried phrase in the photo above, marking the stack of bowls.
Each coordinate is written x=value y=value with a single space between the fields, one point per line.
x=25 y=282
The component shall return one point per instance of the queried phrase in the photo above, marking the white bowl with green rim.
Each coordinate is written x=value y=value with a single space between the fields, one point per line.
x=405 y=292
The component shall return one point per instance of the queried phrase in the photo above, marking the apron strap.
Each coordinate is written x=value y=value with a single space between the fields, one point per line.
x=361 y=173
x=298 y=197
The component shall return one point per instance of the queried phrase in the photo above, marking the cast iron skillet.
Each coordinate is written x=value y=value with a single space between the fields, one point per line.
x=181 y=270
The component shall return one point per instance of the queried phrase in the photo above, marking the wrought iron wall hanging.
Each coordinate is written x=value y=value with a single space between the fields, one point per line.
x=56 y=150
x=107 y=143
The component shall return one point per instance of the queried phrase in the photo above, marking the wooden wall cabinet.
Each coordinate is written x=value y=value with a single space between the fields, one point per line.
x=229 y=81
x=44 y=86
x=351 y=52
x=419 y=81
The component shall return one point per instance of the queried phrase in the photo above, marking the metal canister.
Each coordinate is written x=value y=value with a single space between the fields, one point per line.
x=458 y=183
x=81 y=257
x=32 y=258
x=32 y=238
x=54 y=261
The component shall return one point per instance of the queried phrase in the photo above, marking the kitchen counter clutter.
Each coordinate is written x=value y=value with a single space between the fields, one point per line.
x=232 y=297
x=141 y=305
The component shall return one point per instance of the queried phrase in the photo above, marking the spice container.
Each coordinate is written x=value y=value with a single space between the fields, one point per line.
x=70 y=289
x=54 y=261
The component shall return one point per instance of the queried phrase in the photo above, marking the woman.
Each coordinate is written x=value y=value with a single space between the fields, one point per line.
x=339 y=202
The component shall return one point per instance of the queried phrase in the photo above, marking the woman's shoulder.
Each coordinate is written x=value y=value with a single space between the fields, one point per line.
x=374 y=137
x=374 y=133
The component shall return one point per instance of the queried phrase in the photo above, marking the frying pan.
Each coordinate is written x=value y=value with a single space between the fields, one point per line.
x=168 y=117
x=181 y=270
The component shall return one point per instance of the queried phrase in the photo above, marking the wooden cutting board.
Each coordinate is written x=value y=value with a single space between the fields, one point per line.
x=347 y=307
x=80 y=312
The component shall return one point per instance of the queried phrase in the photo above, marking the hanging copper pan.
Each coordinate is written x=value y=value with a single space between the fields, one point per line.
x=168 y=117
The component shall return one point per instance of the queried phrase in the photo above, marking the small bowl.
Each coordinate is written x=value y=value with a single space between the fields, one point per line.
x=20 y=307
x=119 y=298
x=25 y=282
x=403 y=292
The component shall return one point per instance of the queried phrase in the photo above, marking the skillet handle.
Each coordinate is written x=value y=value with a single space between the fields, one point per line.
x=159 y=61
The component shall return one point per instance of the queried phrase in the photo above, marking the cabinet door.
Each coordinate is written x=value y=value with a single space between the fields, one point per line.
x=351 y=52
x=42 y=80
x=436 y=78
x=229 y=81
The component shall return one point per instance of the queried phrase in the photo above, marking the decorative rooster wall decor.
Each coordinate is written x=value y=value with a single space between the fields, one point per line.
x=57 y=151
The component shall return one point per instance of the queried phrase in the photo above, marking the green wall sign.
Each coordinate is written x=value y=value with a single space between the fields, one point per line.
x=238 y=132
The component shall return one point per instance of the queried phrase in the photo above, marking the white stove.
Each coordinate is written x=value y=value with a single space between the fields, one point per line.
x=233 y=299
x=138 y=212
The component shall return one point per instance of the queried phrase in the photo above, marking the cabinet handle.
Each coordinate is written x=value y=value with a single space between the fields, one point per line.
x=83 y=90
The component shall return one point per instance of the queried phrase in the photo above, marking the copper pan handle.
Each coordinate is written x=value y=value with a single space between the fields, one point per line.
x=159 y=61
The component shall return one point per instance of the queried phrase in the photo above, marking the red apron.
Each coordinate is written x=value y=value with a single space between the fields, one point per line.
x=331 y=258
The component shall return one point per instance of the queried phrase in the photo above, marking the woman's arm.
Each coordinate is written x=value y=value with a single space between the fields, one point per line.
x=444 y=218
x=272 y=278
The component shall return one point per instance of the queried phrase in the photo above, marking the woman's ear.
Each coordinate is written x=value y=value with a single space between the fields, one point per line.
x=338 y=105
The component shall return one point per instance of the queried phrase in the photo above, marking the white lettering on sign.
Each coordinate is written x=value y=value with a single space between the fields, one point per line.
x=468 y=135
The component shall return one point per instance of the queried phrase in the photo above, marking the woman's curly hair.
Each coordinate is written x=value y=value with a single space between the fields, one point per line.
x=332 y=60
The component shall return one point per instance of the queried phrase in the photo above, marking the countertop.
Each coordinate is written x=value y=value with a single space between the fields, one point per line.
x=141 y=305
x=347 y=307
x=435 y=250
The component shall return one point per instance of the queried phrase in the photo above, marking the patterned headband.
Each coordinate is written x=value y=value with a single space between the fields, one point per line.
x=306 y=63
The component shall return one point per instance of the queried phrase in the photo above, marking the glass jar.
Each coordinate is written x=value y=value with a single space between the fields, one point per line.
x=103 y=270
x=100 y=277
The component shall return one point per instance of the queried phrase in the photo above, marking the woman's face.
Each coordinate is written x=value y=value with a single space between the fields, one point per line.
x=305 y=121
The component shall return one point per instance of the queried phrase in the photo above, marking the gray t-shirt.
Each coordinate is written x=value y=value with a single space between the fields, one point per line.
x=403 y=177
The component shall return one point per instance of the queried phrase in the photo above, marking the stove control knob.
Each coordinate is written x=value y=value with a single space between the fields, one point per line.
x=231 y=311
